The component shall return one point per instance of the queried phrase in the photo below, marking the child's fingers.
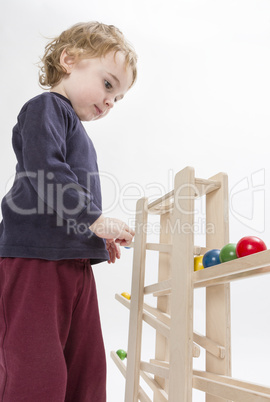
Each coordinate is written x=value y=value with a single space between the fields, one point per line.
x=117 y=250
x=127 y=236
x=131 y=231
x=123 y=242
x=114 y=251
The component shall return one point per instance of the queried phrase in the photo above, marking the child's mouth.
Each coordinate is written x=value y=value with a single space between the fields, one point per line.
x=99 y=112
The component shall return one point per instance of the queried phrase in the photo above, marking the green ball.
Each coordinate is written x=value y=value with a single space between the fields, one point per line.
x=121 y=353
x=228 y=253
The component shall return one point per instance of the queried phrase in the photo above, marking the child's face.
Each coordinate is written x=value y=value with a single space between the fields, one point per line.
x=94 y=85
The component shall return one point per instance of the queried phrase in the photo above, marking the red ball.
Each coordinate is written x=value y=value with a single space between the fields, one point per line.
x=249 y=245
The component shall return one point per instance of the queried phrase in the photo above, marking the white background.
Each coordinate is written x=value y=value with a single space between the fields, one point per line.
x=202 y=99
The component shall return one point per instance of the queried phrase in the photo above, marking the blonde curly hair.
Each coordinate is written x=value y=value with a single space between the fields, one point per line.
x=83 y=40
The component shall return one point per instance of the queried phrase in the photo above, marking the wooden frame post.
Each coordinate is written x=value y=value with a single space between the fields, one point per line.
x=218 y=320
x=162 y=352
x=136 y=310
x=181 y=335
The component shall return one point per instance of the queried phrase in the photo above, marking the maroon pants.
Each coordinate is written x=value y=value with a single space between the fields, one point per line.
x=51 y=345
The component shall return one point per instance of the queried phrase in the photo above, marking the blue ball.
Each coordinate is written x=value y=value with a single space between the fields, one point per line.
x=211 y=258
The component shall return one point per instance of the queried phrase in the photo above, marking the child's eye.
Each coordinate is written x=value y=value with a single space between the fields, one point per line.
x=107 y=84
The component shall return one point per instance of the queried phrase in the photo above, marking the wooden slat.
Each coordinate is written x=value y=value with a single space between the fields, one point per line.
x=158 y=325
x=196 y=351
x=155 y=369
x=167 y=248
x=200 y=188
x=161 y=210
x=122 y=300
x=119 y=363
x=209 y=345
x=198 y=250
x=161 y=293
x=163 y=317
x=164 y=285
x=152 y=383
x=233 y=381
x=164 y=330
x=142 y=396
x=205 y=186
x=161 y=363
x=251 y=265
x=161 y=247
x=160 y=200
x=226 y=388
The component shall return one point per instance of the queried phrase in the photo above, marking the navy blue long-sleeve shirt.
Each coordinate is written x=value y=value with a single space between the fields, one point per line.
x=56 y=193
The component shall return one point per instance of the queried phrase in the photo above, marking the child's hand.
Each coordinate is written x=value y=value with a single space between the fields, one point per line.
x=113 y=229
x=114 y=250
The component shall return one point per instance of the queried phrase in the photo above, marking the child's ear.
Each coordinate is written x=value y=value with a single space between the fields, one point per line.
x=67 y=61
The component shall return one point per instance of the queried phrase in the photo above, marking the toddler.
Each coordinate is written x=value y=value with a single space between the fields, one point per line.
x=53 y=229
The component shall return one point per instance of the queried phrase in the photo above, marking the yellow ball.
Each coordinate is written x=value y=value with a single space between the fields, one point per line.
x=198 y=265
x=126 y=295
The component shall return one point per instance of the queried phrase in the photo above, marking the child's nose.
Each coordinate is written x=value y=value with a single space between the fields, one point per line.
x=109 y=102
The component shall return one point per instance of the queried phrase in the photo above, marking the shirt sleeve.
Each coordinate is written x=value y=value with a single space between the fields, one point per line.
x=44 y=127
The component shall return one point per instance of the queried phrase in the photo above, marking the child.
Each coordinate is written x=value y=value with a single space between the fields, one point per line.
x=53 y=229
